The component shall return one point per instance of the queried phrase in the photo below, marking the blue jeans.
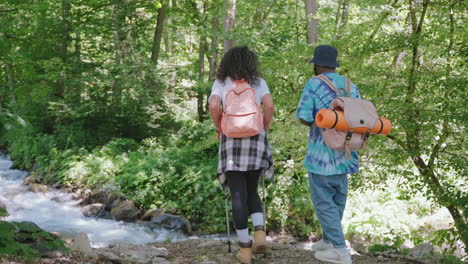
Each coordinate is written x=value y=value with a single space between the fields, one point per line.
x=328 y=195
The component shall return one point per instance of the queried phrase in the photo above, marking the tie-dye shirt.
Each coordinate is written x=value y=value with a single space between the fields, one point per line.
x=320 y=159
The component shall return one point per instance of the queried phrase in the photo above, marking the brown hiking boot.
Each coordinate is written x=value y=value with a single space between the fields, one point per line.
x=245 y=253
x=259 y=246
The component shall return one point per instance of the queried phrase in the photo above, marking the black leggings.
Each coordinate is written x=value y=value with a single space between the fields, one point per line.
x=245 y=199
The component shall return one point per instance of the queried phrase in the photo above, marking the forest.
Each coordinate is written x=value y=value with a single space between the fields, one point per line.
x=112 y=94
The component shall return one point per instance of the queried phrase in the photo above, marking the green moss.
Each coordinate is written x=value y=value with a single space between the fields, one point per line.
x=18 y=239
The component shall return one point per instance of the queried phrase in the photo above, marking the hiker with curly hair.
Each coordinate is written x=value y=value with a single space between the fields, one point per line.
x=243 y=159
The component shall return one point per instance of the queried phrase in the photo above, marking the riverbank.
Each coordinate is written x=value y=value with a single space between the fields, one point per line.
x=198 y=251
x=360 y=209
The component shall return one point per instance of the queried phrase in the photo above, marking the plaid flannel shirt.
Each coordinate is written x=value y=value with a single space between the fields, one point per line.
x=245 y=154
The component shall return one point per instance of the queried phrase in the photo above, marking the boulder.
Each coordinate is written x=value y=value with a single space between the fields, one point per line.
x=84 y=195
x=172 y=222
x=210 y=243
x=30 y=179
x=285 y=239
x=81 y=244
x=421 y=250
x=47 y=244
x=125 y=211
x=36 y=187
x=123 y=253
x=59 y=198
x=170 y=211
x=152 y=213
x=112 y=201
x=44 y=251
x=57 y=186
x=93 y=210
x=98 y=196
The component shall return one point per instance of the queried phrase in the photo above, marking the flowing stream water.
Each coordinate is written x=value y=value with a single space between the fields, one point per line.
x=56 y=211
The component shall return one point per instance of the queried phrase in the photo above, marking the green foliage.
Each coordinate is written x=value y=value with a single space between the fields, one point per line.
x=3 y=212
x=444 y=237
x=87 y=106
x=394 y=244
x=450 y=260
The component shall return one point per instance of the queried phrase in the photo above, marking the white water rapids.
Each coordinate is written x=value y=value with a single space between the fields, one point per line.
x=55 y=211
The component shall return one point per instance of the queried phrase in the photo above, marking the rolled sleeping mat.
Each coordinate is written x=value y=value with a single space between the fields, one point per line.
x=327 y=118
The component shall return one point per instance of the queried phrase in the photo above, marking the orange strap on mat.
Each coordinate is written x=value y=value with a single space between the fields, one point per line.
x=327 y=118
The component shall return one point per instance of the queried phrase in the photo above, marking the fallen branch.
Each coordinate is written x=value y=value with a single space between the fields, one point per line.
x=8 y=10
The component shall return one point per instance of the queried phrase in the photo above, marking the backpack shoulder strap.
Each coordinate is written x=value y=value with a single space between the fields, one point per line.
x=348 y=87
x=329 y=83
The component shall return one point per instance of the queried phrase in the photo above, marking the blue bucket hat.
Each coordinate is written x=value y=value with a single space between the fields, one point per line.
x=325 y=55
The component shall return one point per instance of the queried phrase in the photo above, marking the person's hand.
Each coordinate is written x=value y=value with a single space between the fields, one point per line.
x=266 y=125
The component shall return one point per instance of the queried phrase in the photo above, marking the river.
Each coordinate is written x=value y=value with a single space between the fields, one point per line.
x=56 y=211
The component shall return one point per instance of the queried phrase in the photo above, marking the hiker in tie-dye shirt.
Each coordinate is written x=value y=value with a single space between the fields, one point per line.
x=327 y=168
x=321 y=159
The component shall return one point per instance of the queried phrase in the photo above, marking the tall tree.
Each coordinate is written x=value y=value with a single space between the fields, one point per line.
x=229 y=23
x=75 y=93
x=345 y=4
x=337 y=16
x=10 y=92
x=213 y=57
x=65 y=41
x=158 y=32
x=167 y=33
x=201 y=65
x=312 y=21
x=119 y=11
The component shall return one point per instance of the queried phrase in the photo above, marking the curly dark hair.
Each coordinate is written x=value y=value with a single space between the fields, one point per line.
x=239 y=63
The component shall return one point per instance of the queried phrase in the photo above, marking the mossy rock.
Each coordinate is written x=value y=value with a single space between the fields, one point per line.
x=27 y=240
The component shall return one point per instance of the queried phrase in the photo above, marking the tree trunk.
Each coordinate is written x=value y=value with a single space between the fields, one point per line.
x=228 y=24
x=167 y=37
x=337 y=17
x=66 y=7
x=344 y=17
x=158 y=34
x=201 y=73
x=119 y=14
x=312 y=21
x=76 y=96
x=213 y=54
x=214 y=48
x=66 y=28
x=201 y=66
x=119 y=17
x=10 y=92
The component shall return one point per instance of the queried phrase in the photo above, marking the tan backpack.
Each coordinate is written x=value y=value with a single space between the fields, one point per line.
x=358 y=113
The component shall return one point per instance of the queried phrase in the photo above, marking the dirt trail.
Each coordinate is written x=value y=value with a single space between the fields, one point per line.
x=199 y=251
x=215 y=252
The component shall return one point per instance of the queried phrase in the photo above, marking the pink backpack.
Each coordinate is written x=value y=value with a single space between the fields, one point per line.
x=242 y=116
x=357 y=113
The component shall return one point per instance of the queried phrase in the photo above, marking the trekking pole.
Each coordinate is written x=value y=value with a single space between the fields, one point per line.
x=227 y=221
x=264 y=203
